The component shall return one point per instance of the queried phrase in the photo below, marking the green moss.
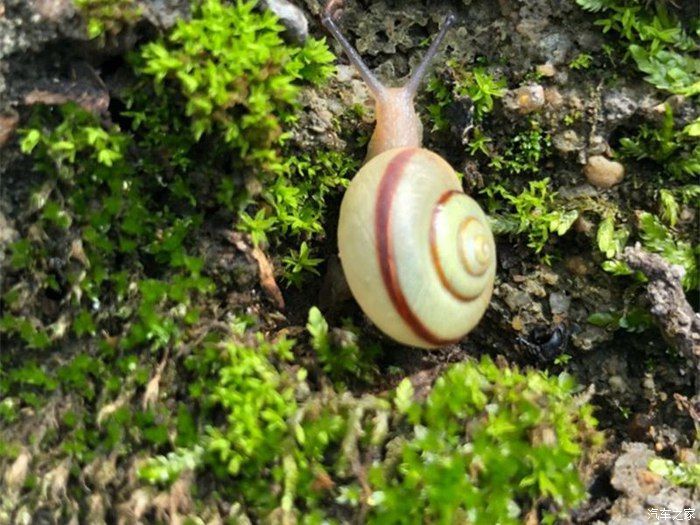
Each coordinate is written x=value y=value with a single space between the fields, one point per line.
x=683 y=474
x=656 y=238
x=487 y=444
x=655 y=39
x=228 y=70
x=501 y=441
x=478 y=84
x=151 y=361
x=341 y=352
x=581 y=61
x=534 y=211
x=676 y=152
x=524 y=152
x=108 y=17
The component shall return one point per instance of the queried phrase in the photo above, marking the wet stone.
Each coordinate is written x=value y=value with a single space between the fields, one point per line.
x=603 y=173
x=291 y=17
x=619 y=106
x=559 y=303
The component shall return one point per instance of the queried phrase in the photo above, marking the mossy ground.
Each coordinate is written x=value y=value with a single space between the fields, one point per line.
x=149 y=371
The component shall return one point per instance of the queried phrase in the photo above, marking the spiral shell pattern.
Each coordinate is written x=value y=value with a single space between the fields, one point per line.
x=417 y=252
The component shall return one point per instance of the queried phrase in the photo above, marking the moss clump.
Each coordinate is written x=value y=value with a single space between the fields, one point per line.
x=655 y=39
x=228 y=70
x=478 y=85
x=676 y=152
x=488 y=445
x=534 y=211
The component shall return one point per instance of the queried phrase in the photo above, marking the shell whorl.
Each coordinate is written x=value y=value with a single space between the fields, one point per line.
x=417 y=252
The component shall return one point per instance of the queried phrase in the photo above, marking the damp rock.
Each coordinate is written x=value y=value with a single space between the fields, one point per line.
x=553 y=97
x=567 y=141
x=54 y=10
x=164 y=14
x=618 y=106
x=603 y=173
x=559 y=303
x=642 y=490
x=291 y=17
x=316 y=121
x=554 y=48
x=577 y=265
x=589 y=337
x=597 y=145
x=515 y=298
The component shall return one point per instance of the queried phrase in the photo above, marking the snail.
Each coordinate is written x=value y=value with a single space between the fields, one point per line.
x=417 y=252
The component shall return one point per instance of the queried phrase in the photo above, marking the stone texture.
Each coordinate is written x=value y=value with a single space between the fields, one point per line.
x=603 y=173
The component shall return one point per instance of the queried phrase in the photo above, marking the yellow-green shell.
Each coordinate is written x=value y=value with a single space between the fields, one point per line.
x=418 y=254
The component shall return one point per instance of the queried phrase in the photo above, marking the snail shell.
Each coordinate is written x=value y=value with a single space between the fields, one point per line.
x=418 y=254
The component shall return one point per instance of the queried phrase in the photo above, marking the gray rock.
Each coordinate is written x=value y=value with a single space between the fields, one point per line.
x=567 y=141
x=559 y=303
x=554 y=48
x=165 y=13
x=642 y=490
x=619 y=106
x=291 y=17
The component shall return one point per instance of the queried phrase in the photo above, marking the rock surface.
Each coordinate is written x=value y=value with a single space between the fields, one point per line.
x=291 y=17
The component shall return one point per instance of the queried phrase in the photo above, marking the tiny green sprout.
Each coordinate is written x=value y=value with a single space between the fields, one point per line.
x=482 y=88
x=479 y=143
x=299 y=263
x=164 y=470
x=562 y=359
x=683 y=474
x=581 y=61
x=258 y=226
x=341 y=352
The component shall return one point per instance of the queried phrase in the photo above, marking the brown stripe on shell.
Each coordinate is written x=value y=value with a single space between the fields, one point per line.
x=462 y=256
x=434 y=249
x=385 y=250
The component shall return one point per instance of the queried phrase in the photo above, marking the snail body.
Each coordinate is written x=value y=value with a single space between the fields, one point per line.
x=417 y=253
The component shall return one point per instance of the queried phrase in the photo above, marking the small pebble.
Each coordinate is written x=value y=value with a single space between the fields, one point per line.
x=617 y=384
x=559 y=303
x=546 y=70
x=603 y=173
x=517 y=323
x=525 y=99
